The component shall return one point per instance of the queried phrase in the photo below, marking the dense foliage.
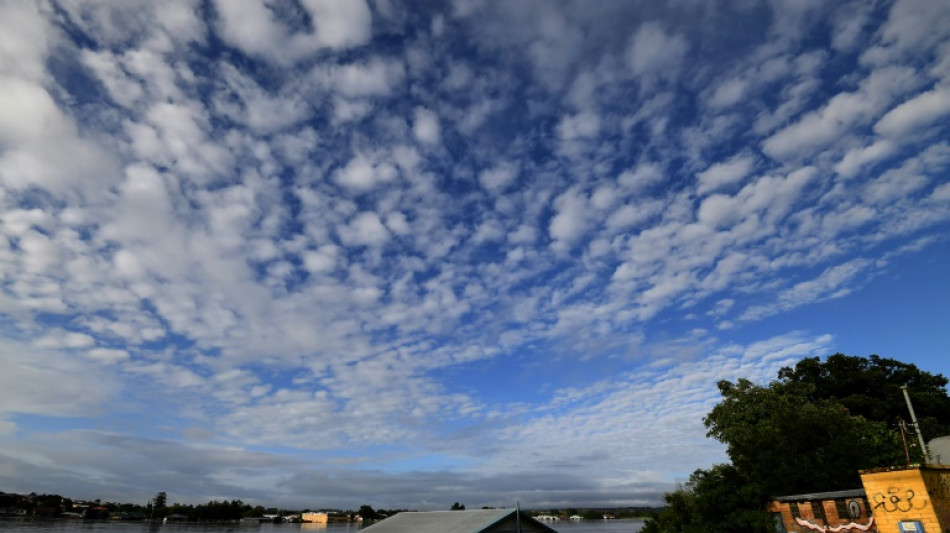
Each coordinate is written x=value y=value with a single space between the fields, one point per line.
x=810 y=430
x=871 y=387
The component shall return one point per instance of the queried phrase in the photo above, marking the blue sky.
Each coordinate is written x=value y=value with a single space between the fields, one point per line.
x=320 y=254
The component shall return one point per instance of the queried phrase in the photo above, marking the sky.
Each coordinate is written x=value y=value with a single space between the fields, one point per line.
x=318 y=253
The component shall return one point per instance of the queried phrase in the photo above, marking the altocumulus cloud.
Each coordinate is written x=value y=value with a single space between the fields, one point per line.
x=323 y=253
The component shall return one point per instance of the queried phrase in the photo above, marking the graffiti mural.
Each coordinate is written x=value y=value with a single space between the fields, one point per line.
x=898 y=500
x=853 y=526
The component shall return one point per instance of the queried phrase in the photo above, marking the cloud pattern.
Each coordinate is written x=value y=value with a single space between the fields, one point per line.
x=330 y=252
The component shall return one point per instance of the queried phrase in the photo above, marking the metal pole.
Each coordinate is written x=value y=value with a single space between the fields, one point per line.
x=518 y=515
x=913 y=418
x=904 y=441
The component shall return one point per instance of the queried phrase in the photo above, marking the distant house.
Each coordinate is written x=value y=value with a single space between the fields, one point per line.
x=480 y=521
x=316 y=518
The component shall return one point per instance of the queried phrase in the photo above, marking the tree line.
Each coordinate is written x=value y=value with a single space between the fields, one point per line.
x=809 y=430
x=157 y=508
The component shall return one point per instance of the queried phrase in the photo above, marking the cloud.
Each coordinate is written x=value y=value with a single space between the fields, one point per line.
x=345 y=248
x=653 y=51
x=365 y=229
x=426 y=127
x=724 y=174
x=842 y=111
x=42 y=381
x=253 y=27
x=571 y=220
x=915 y=114
x=580 y=126
x=498 y=177
x=362 y=173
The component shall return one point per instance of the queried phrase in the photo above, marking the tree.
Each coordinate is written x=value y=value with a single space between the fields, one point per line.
x=789 y=442
x=366 y=512
x=159 y=506
x=720 y=499
x=457 y=507
x=871 y=387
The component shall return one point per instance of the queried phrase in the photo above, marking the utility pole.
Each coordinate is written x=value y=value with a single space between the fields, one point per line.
x=913 y=419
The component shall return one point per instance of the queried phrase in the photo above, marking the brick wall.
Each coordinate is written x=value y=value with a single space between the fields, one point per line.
x=835 y=510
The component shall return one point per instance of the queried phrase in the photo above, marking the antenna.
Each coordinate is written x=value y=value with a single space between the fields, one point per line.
x=518 y=515
x=913 y=419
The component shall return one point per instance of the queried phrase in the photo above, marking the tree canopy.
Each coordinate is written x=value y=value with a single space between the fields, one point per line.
x=790 y=442
x=871 y=387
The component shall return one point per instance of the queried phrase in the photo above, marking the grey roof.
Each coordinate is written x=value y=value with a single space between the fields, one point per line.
x=816 y=496
x=449 y=521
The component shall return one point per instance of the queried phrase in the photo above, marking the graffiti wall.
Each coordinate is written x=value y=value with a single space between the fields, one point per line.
x=909 y=499
x=834 y=512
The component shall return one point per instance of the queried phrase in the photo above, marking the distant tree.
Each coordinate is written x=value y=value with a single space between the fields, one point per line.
x=159 y=506
x=366 y=512
x=457 y=507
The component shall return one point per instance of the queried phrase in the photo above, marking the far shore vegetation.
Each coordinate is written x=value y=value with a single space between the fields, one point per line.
x=158 y=509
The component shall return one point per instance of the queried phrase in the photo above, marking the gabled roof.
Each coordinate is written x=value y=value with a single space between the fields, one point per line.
x=452 y=522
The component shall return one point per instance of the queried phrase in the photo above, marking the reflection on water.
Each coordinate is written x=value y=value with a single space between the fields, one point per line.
x=20 y=525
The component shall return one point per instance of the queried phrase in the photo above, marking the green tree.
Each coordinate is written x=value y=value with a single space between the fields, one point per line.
x=871 y=387
x=457 y=507
x=720 y=499
x=788 y=441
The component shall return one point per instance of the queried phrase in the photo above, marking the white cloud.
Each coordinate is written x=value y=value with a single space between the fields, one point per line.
x=44 y=382
x=25 y=40
x=252 y=27
x=65 y=339
x=834 y=282
x=366 y=229
x=108 y=355
x=571 y=221
x=817 y=130
x=499 y=177
x=642 y=177
x=915 y=114
x=282 y=243
x=425 y=127
x=724 y=174
x=376 y=77
x=585 y=125
x=653 y=51
x=363 y=174
x=858 y=158
x=728 y=93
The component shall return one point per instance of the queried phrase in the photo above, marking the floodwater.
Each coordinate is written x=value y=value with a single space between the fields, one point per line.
x=15 y=525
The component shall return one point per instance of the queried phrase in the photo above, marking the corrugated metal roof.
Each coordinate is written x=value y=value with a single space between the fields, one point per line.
x=816 y=496
x=446 y=521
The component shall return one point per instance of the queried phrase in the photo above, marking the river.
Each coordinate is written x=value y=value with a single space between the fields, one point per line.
x=106 y=526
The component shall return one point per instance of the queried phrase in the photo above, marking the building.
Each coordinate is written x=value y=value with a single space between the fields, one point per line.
x=839 y=511
x=910 y=498
x=903 y=499
x=315 y=518
x=480 y=521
